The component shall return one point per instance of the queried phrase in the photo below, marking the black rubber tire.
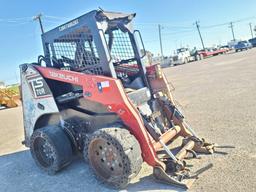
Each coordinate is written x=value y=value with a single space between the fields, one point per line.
x=129 y=150
x=85 y=149
x=60 y=147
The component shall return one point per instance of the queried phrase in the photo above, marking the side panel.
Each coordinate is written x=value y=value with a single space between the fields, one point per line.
x=109 y=92
x=37 y=99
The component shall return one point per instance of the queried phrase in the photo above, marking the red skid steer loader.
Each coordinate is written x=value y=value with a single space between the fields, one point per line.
x=91 y=93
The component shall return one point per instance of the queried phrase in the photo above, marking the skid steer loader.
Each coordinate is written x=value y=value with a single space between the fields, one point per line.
x=91 y=94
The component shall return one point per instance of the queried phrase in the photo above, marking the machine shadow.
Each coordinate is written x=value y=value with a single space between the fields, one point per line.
x=18 y=172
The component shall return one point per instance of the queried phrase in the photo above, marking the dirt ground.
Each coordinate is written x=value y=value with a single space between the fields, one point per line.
x=217 y=96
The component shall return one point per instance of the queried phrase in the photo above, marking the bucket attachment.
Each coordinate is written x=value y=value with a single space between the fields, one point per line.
x=178 y=180
x=183 y=179
x=175 y=171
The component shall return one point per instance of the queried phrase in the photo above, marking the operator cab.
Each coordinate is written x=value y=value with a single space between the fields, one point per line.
x=100 y=43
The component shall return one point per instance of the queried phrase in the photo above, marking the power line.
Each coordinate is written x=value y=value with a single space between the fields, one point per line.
x=50 y=21
x=151 y=41
x=55 y=17
x=244 y=19
x=14 y=20
x=178 y=27
x=178 y=32
x=212 y=26
x=170 y=25
x=19 y=20
x=166 y=25
x=164 y=35
x=227 y=23
x=17 y=24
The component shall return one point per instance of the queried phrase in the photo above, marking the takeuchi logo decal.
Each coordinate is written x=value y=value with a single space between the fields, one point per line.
x=63 y=76
x=68 y=25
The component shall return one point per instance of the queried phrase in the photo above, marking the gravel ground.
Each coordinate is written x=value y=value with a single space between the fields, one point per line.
x=218 y=98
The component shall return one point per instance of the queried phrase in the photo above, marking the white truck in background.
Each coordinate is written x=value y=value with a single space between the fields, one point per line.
x=184 y=55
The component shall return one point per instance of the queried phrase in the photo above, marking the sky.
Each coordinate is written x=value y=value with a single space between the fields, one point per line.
x=20 y=40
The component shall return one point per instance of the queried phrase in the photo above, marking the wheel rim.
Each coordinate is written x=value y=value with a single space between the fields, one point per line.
x=44 y=152
x=105 y=159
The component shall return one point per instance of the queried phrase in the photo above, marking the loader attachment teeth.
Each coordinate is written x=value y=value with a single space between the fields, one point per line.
x=222 y=147
x=221 y=152
x=225 y=146
x=207 y=148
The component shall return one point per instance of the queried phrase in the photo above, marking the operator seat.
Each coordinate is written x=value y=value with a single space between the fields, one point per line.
x=137 y=83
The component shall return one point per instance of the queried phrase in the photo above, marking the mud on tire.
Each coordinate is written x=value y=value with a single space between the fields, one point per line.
x=114 y=156
x=50 y=148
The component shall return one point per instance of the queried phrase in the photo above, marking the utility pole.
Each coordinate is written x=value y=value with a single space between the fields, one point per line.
x=160 y=39
x=38 y=17
x=199 y=32
x=232 y=30
x=250 y=24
